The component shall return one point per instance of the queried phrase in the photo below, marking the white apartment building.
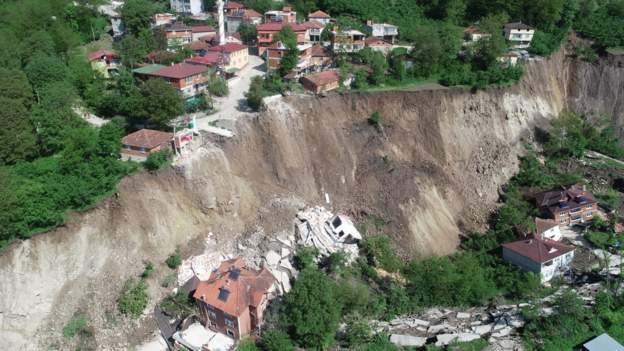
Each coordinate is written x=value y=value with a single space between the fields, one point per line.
x=519 y=34
x=193 y=7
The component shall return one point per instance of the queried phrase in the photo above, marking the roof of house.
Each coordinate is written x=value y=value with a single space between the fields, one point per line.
x=233 y=5
x=322 y=78
x=318 y=14
x=228 y=48
x=517 y=25
x=97 y=55
x=603 y=342
x=277 y=26
x=473 y=30
x=538 y=250
x=562 y=199
x=199 y=45
x=233 y=287
x=147 y=138
x=210 y=59
x=252 y=13
x=176 y=27
x=372 y=41
x=202 y=29
x=148 y=69
x=179 y=71
x=542 y=225
x=320 y=51
x=313 y=24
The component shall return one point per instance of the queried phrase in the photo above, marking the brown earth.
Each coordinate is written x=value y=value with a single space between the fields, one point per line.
x=432 y=171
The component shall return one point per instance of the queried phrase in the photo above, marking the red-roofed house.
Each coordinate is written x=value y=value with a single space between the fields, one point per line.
x=236 y=56
x=321 y=82
x=548 y=258
x=314 y=30
x=190 y=80
x=139 y=145
x=202 y=31
x=211 y=59
x=266 y=32
x=569 y=206
x=178 y=33
x=320 y=57
x=233 y=300
x=232 y=7
x=474 y=34
x=320 y=17
x=285 y=15
x=104 y=61
x=378 y=44
x=276 y=51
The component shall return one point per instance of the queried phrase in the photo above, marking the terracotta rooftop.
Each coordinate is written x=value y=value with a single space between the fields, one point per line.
x=210 y=59
x=320 y=51
x=318 y=14
x=473 y=30
x=250 y=13
x=233 y=287
x=538 y=250
x=277 y=26
x=233 y=5
x=202 y=29
x=147 y=138
x=563 y=199
x=376 y=41
x=179 y=71
x=313 y=24
x=518 y=25
x=542 y=225
x=228 y=48
x=97 y=55
x=323 y=78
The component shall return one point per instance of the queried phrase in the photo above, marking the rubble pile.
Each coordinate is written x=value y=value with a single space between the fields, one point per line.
x=278 y=259
x=318 y=227
x=202 y=265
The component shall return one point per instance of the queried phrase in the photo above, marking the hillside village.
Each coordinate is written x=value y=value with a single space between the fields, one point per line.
x=163 y=81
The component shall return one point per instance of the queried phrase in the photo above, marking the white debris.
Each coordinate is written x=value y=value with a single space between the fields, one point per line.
x=285 y=252
x=435 y=329
x=407 y=340
x=445 y=339
x=465 y=337
x=318 y=227
x=272 y=258
x=285 y=263
x=196 y=337
x=482 y=329
x=503 y=332
x=463 y=315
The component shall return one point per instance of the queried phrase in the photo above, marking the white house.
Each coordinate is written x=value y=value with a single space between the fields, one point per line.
x=193 y=7
x=519 y=34
x=320 y=17
x=385 y=31
x=350 y=40
x=548 y=258
x=547 y=229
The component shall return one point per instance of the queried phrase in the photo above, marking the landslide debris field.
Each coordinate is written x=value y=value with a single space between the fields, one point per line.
x=431 y=169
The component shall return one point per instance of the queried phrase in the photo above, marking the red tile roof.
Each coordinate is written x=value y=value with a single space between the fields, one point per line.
x=97 y=55
x=228 y=48
x=199 y=45
x=210 y=59
x=372 y=41
x=233 y=293
x=313 y=24
x=542 y=225
x=318 y=14
x=202 y=29
x=473 y=30
x=233 y=5
x=320 y=51
x=249 y=13
x=277 y=26
x=538 y=250
x=323 y=78
x=180 y=70
x=147 y=138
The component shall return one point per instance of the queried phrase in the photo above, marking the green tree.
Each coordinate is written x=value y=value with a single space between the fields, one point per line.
x=43 y=70
x=289 y=61
x=133 y=298
x=566 y=137
x=14 y=85
x=17 y=138
x=132 y=50
x=312 y=310
x=159 y=102
x=276 y=340
x=248 y=33
x=255 y=94
x=137 y=15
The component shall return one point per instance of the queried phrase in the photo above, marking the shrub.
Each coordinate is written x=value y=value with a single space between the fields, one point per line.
x=133 y=298
x=158 y=160
x=178 y=305
x=247 y=345
x=218 y=87
x=169 y=280
x=255 y=93
x=379 y=252
x=174 y=260
x=305 y=257
x=76 y=325
x=375 y=120
x=276 y=340
x=149 y=269
x=358 y=331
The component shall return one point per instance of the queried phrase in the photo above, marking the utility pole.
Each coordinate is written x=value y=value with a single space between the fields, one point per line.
x=221 y=22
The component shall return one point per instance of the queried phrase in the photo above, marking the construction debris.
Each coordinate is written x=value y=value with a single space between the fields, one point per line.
x=319 y=228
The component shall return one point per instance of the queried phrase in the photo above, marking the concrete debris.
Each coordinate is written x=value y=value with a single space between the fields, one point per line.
x=463 y=315
x=196 y=337
x=407 y=340
x=445 y=339
x=272 y=258
x=483 y=329
x=318 y=227
x=435 y=329
x=502 y=332
x=465 y=337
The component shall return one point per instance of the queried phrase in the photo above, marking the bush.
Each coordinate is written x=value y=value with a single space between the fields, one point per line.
x=375 y=119
x=179 y=305
x=247 y=345
x=75 y=326
x=133 y=298
x=218 y=87
x=255 y=94
x=158 y=160
x=358 y=331
x=174 y=260
x=379 y=252
x=305 y=257
x=276 y=340
x=149 y=269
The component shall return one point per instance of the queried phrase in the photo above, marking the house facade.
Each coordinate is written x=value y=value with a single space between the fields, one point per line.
x=190 y=80
x=235 y=56
x=198 y=32
x=378 y=44
x=233 y=300
x=192 y=7
x=278 y=50
x=320 y=16
x=104 y=61
x=568 y=206
x=285 y=15
x=519 y=34
x=161 y=19
x=314 y=30
x=320 y=57
x=139 y=145
x=547 y=229
x=321 y=82
x=544 y=257
x=266 y=31
x=388 y=32
x=178 y=34
x=350 y=40
x=473 y=34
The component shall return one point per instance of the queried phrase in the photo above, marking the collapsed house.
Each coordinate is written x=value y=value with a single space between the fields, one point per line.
x=319 y=228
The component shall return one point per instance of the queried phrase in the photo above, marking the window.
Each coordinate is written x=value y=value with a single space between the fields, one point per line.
x=230 y=333
x=588 y=214
x=229 y=322
x=562 y=220
x=549 y=263
x=212 y=315
x=588 y=207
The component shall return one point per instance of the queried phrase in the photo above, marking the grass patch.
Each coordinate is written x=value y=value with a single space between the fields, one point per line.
x=169 y=280
x=174 y=260
x=76 y=325
x=133 y=298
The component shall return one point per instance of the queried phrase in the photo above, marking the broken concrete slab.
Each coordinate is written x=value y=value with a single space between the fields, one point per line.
x=285 y=252
x=272 y=258
x=445 y=339
x=407 y=340
x=463 y=315
x=435 y=329
x=465 y=337
x=483 y=329
x=502 y=332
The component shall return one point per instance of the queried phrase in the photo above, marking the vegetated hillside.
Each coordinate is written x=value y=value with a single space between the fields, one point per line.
x=432 y=167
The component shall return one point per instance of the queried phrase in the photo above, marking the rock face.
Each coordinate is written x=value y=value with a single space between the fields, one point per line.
x=435 y=169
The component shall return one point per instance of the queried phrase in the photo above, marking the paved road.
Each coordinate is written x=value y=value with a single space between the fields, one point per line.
x=234 y=105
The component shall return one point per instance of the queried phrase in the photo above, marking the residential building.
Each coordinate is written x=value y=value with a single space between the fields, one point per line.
x=266 y=31
x=198 y=32
x=384 y=31
x=547 y=258
x=145 y=72
x=321 y=82
x=314 y=30
x=235 y=56
x=192 y=7
x=232 y=7
x=247 y=16
x=178 y=34
x=510 y=58
x=349 y=40
x=233 y=300
x=210 y=59
x=320 y=16
x=161 y=19
x=378 y=44
x=104 y=61
x=568 y=206
x=285 y=15
x=276 y=52
x=519 y=34
x=473 y=34
x=320 y=57
x=139 y=145
x=190 y=80
x=547 y=229
x=604 y=342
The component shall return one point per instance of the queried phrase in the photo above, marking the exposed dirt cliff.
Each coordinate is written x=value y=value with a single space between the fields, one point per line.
x=432 y=170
